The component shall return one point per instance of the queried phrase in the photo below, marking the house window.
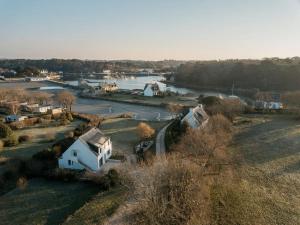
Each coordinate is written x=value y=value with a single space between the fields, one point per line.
x=70 y=162
x=100 y=162
x=108 y=152
x=75 y=153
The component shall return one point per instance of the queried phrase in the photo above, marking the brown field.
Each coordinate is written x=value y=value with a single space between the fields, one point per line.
x=266 y=159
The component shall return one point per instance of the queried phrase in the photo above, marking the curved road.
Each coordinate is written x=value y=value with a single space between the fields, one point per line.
x=160 y=141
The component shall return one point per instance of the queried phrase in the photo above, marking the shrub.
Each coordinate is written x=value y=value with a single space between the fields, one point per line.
x=64 y=122
x=24 y=138
x=49 y=136
x=69 y=116
x=22 y=182
x=171 y=191
x=145 y=131
x=69 y=134
x=12 y=140
x=45 y=155
x=5 y=131
x=62 y=174
x=1 y=144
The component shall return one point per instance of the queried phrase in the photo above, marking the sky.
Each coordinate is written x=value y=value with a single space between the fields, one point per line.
x=149 y=29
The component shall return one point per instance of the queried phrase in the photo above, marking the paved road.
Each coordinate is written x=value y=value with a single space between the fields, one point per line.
x=160 y=141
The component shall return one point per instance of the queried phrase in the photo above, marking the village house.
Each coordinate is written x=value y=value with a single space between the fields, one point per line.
x=152 y=89
x=55 y=111
x=108 y=88
x=196 y=117
x=90 y=151
x=42 y=109
x=268 y=105
x=14 y=118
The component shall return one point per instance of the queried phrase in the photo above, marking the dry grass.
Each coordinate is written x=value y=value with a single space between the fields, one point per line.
x=170 y=191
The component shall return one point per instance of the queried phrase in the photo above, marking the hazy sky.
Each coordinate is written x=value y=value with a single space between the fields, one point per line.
x=149 y=29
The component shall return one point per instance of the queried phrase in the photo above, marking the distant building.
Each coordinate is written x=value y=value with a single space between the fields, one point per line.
x=35 y=79
x=106 y=71
x=44 y=72
x=196 y=117
x=55 y=111
x=90 y=151
x=261 y=105
x=42 y=109
x=108 y=88
x=14 y=118
x=152 y=89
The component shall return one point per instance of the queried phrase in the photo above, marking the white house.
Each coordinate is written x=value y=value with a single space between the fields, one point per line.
x=151 y=89
x=90 y=151
x=14 y=118
x=268 y=105
x=196 y=117
x=42 y=109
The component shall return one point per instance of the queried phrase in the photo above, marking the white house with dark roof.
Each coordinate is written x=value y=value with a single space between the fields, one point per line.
x=196 y=117
x=151 y=89
x=90 y=151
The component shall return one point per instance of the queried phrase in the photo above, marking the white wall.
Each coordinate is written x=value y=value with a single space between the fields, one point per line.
x=148 y=91
x=85 y=155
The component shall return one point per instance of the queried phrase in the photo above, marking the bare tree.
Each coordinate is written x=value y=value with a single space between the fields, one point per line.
x=43 y=98
x=66 y=99
x=145 y=131
x=174 y=108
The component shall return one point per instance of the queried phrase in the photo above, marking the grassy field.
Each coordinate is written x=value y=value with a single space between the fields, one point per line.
x=123 y=133
x=97 y=210
x=266 y=159
x=43 y=202
x=188 y=101
x=39 y=140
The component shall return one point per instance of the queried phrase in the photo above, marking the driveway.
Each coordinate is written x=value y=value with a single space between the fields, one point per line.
x=160 y=141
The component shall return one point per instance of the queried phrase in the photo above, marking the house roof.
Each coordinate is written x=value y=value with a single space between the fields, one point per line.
x=153 y=86
x=199 y=114
x=94 y=137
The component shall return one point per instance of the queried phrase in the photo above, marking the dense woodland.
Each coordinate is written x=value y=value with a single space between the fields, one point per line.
x=268 y=74
x=87 y=66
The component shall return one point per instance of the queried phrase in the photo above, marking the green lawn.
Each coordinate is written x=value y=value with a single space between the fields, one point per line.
x=44 y=202
x=123 y=133
x=188 y=101
x=39 y=140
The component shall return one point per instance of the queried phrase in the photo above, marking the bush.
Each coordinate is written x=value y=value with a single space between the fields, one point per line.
x=49 y=136
x=69 y=116
x=1 y=144
x=24 y=138
x=62 y=174
x=12 y=140
x=64 y=122
x=111 y=179
x=171 y=191
x=5 y=131
x=145 y=131
x=45 y=155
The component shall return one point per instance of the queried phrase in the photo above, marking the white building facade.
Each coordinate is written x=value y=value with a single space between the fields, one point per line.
x=90 y=151
x=196 y=117
x=151 y=90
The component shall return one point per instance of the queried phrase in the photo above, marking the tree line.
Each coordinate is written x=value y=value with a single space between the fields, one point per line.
x=86 y=66
x=266 y=75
